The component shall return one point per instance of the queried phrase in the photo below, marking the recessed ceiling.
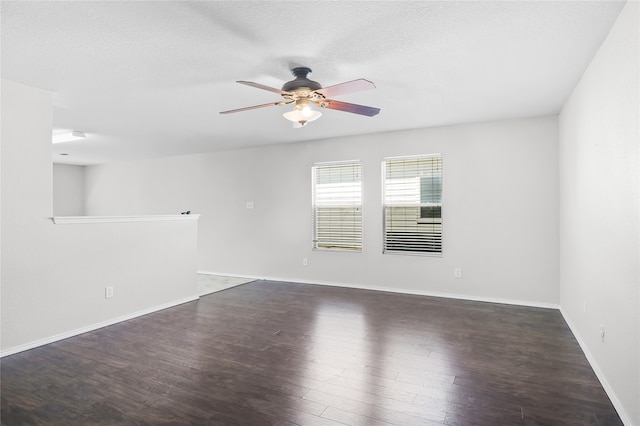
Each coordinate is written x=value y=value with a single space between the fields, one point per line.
x=146 y=79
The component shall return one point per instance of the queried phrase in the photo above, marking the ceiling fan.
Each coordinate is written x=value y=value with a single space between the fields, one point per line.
x=304 y=93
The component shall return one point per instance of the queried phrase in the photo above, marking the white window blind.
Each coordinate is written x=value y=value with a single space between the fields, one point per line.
x=337 y=206
x=412 y=203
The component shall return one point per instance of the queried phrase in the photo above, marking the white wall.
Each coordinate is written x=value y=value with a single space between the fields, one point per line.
x=54 y=276
x=500 y=209
x=68 y=190
x=599 y=238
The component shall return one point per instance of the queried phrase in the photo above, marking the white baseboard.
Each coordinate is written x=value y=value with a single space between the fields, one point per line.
x=397 y=290
x=599 y=374
x=438 y=294
x=92 y=327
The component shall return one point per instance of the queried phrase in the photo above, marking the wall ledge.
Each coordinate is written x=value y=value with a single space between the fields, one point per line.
x=70 y=220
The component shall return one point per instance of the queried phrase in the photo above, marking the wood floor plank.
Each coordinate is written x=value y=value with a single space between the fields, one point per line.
x=352 y=419
x=371 y=409
x=277 y=353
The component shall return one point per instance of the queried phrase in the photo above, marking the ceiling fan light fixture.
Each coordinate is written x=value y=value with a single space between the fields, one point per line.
x=67 y=137
x=302 y=114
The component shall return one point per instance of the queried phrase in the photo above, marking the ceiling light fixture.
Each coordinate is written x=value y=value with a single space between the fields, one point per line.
x=302 y=113
x=67 y=137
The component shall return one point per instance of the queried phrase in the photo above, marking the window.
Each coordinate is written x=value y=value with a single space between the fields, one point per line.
x=337 y=206
x=412 y=202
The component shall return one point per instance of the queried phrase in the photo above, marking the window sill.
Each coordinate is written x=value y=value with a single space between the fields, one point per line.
x=72 y=220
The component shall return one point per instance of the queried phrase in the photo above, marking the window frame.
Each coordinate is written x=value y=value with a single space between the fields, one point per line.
x=420 y=220
x=317 y=243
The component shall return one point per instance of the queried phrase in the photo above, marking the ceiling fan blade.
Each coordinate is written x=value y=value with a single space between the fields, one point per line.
x=347 y=107
x=253 y=107
x=263 y=87
x=348 y=87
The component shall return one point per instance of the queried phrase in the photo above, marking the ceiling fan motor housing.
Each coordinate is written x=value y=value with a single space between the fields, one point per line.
x=301 y=81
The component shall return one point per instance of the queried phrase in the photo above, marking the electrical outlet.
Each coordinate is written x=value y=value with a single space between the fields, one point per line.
x=602 y=332
x=250 y=205
x=108 y=292
x=305 y=261
x=457 y=272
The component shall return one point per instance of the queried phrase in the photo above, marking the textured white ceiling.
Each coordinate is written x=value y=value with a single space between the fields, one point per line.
x=146 y=79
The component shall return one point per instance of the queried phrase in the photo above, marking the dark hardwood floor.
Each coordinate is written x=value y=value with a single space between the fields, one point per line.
x=273 y=353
